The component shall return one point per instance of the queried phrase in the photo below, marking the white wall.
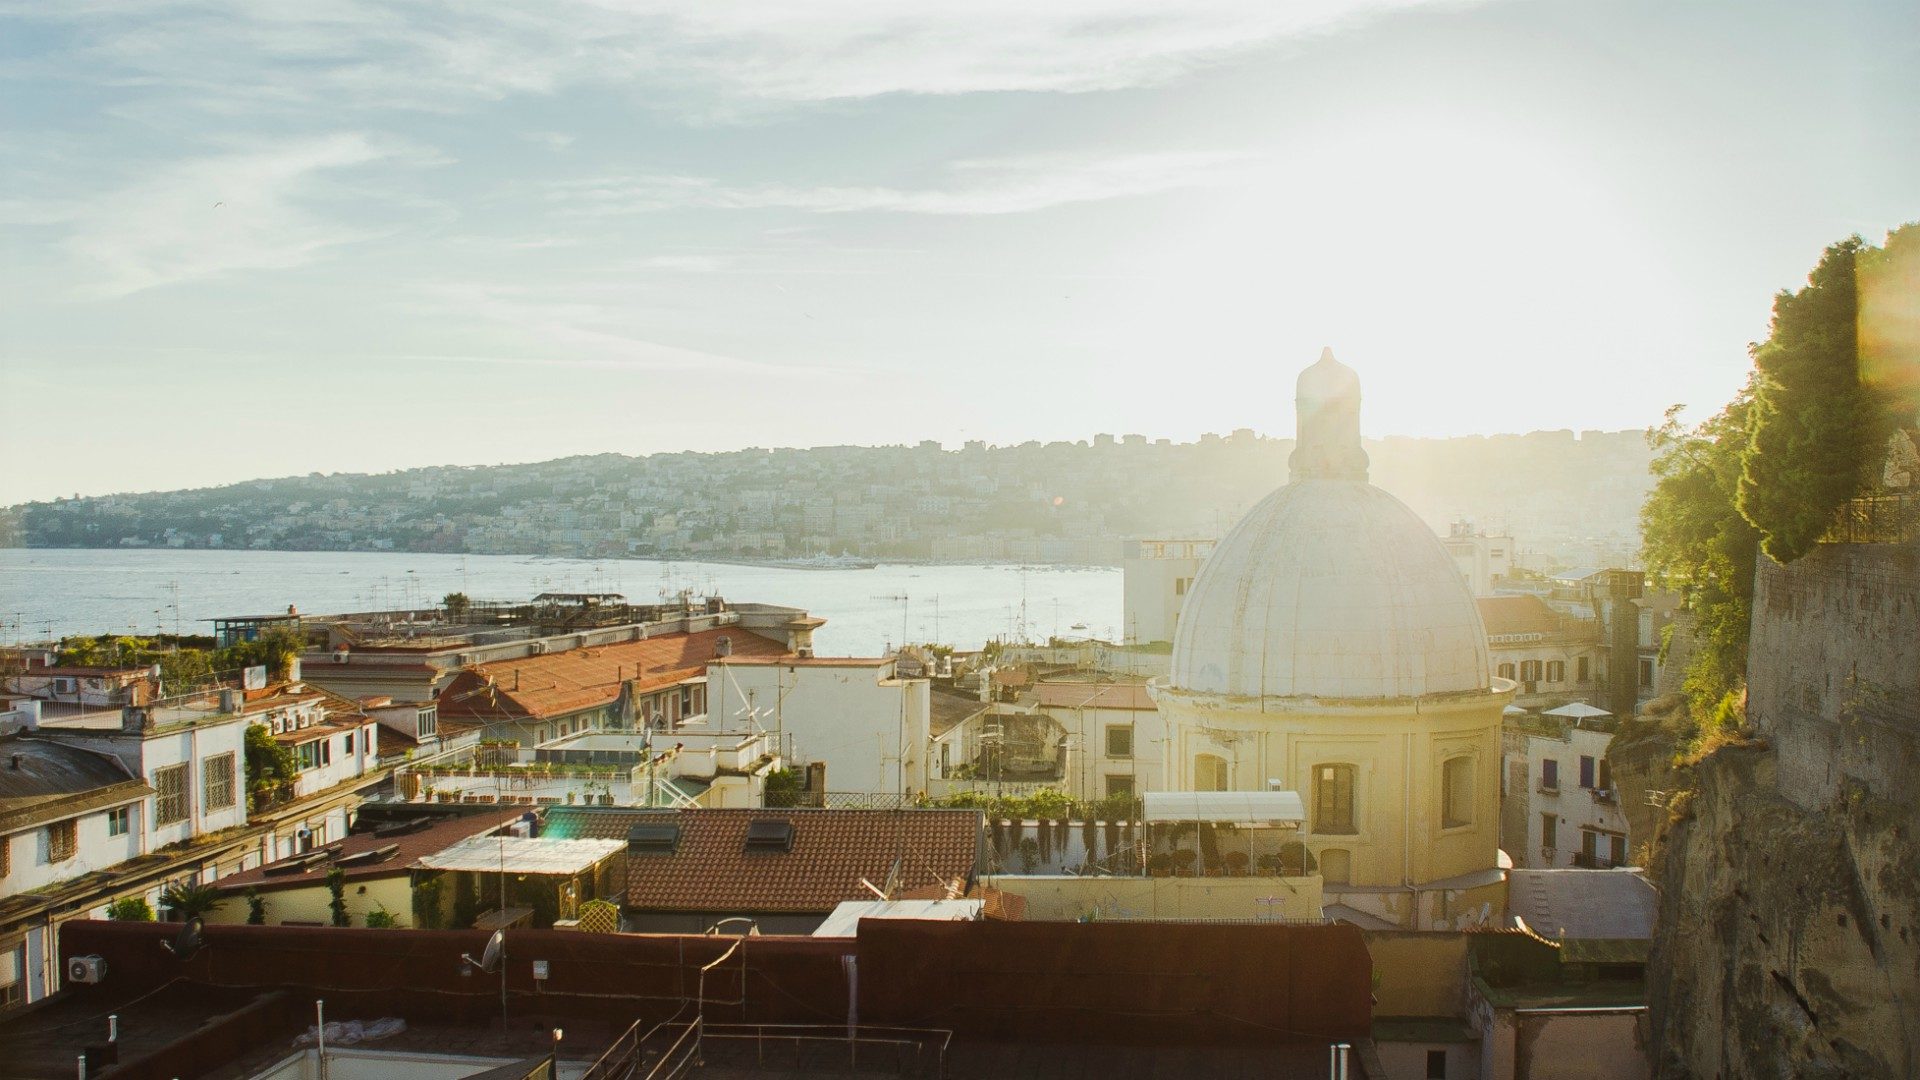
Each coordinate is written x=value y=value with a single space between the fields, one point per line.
x=1150 y=576
x=869 y=728
x=1088 y=763
x=29 y=866
x=1574 y=806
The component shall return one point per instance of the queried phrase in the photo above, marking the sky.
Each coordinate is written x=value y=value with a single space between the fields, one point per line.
x=242 y=240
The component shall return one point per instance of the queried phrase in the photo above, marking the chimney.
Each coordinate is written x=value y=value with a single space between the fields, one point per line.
x=16 y=762
x=230 y=700
x=723 y=646
x=293 y=669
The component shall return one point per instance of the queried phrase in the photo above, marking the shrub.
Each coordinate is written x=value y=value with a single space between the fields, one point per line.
x=130 y=909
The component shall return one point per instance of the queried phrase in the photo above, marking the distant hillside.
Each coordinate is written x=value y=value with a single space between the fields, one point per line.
x=1574 y=497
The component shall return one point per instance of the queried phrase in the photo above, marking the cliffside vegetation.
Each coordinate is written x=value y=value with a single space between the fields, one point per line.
x=1769 y=471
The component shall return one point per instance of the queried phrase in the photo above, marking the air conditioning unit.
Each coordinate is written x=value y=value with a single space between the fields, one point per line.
x=86 y=969
x=537 y=648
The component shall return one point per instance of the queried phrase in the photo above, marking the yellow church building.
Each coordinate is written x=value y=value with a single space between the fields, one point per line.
x=1330 y=647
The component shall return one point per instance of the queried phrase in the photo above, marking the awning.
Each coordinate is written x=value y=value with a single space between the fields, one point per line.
x=1278 y=807
x=1579 y=710
x=520 y=855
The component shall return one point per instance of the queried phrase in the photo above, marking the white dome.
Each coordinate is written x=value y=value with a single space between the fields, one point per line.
x=1330 y=589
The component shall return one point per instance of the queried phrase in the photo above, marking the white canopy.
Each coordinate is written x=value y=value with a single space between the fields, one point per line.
x=845 y=920
x=1579 y=710
x=1254 y=806
x=1513 y=710
x=519 y=855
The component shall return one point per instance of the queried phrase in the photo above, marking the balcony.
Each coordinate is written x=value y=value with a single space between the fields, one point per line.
x=1605 y=796
x=1596 y=861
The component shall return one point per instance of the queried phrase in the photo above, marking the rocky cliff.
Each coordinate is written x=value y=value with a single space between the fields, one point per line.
x=1789 y=934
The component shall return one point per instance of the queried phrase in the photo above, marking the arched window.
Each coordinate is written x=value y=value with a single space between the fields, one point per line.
x=1209 y=772
x=1506 y=671
x=1456 y=792
x=1333 y=799
x=1336 y=866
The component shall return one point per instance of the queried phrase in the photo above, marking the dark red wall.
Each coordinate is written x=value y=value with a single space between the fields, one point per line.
x=1164 y=983
x=1159 y=983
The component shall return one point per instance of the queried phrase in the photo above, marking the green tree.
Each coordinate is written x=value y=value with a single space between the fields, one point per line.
x=456 y=604
x=1697 y=542
x=268 y=763
x=1816 y=431
x=130 y=909
x=274 y=650
x=256 y=908
x=337 y=887
x=189 y=901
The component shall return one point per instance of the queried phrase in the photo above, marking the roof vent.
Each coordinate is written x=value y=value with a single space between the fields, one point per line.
x=770 y=835
x=366 y=858
x=402 y=828
x=653 y=839
x=723 y=646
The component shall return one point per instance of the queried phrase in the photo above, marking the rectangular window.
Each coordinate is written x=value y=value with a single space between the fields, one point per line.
x=1581 y=669
x=1586 y=771
x=1119 y=785
x=1120 y=741
x=1456 y=784
x=1646 y=674
x=426 y=722
x=216 y=775
x=306 y=756
x=1617 y=849
x=1549 y=833
x=326 y=751
x=1333 y=799
x=1180 y=586
x=1589 y=848
x=1436 y=1065
x=171 y=804
x=120 y=821
x=6 y=856
x=1556 y=671
x=1606 y=776
x=346 y=745
x=63 y=839
x=1550 y=775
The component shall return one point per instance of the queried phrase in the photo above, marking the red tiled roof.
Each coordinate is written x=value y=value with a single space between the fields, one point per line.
x=1518 y=615
x=1079 y=695
x=412 y=847
x=566 y=682
x=832 y=850
x=810 y=661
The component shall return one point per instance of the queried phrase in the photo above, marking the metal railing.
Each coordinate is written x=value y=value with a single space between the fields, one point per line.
x=840 y=800
x=924 y=1043
x=1891 y=518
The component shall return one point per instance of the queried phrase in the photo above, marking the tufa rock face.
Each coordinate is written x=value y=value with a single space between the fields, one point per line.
x=1788 y=942
x=1789 y=934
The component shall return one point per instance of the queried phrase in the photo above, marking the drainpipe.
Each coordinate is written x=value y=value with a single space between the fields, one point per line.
x=1406 y=829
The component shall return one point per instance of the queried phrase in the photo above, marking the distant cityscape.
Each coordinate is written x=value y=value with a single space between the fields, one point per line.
x=1569 y=499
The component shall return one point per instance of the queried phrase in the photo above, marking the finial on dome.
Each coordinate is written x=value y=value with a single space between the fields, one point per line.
x=1327 y=408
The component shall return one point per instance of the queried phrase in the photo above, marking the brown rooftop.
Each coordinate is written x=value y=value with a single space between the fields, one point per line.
x=559 y=683
x=713 y=869
x=1080 y=695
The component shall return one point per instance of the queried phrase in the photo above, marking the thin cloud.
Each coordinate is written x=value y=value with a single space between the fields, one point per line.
x=239 y=55
x=978 y=187
x=240 y=210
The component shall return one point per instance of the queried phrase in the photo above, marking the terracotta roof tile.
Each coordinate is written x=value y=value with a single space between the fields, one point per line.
x=1519 y=615
x=712 y=870
x=1080 y=695
x=559 y=683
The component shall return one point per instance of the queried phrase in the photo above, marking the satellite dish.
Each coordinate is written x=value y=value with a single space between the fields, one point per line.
x=189 y=940
x=489 y=961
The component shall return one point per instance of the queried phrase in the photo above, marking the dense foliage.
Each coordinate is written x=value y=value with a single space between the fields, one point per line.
x=1839 y=369
x=1816 y=431
x=130 y=909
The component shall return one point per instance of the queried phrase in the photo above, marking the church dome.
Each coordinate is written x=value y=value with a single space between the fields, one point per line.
x=1330 y=588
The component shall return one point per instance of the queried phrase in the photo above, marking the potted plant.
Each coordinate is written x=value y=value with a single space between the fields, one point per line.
x=1183 y=859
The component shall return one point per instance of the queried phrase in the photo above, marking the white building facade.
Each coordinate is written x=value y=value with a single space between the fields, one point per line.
x=869 y=726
